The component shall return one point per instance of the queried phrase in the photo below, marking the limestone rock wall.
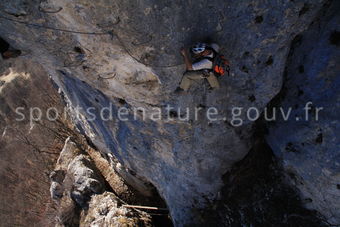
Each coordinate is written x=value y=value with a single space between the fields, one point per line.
x=310 y=151
x=125 y=53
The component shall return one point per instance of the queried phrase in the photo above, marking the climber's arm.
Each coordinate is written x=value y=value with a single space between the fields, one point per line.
x=187 y=60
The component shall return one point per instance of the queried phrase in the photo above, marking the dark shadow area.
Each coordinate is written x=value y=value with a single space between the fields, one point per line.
x=6 y=50
x=4 y=46
x=258 y=19
x=334 y=38
x=256 y=194
x=269 y=61
x=304 y=9
x=161 y=217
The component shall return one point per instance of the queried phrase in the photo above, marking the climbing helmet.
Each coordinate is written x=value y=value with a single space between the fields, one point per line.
x=198 y=48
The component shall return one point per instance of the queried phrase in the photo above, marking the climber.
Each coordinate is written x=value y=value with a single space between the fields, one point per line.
x=7 y=51
x=204 y=66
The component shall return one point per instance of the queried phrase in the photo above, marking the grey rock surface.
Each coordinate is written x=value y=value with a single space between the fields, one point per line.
x=125 y=53
x=86 y=181
x=308 y=143
x=75 y=176
x=73 y=182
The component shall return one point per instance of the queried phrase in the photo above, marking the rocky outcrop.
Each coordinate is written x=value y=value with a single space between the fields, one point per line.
x=73 y=182
x=104 y=210
x=130 y=190
x=88 y=193
x=102 y=54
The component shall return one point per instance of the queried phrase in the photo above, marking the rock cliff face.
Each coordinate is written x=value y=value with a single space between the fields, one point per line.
x=125 y=54
x=28 y=149
x=308 y=143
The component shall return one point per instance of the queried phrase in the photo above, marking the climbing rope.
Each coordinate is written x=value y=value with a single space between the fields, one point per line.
x=112 y=33
x=47 y=11
x=52 y=28
x=140 y=61
x=142 y=43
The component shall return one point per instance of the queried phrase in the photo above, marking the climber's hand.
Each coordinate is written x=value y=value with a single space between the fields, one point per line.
x=184 y=52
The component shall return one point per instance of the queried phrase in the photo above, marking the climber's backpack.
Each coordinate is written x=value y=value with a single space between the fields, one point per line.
x=221 y=65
